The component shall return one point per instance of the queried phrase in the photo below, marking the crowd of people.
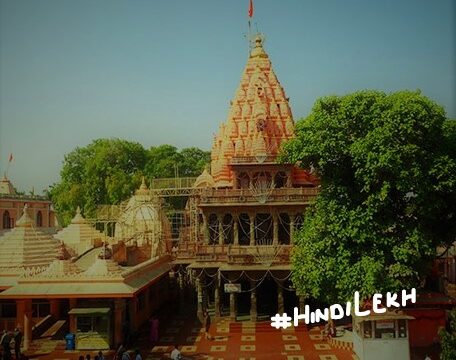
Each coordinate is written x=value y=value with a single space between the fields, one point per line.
x=11 y=340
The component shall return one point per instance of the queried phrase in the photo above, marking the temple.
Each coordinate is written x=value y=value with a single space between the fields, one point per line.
x=244 y=212
x=228 y=251
x=12 y=203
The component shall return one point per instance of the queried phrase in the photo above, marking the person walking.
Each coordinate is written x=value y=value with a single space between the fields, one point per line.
x=5 y=341
x=175 y=354
x=17 y=342
x=138 y=355
x=207 y=325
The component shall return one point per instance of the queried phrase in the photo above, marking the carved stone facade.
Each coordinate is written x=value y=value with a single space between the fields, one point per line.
x=247 y=209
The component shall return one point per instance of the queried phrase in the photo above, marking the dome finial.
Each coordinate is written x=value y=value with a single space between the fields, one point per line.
x=258 y=41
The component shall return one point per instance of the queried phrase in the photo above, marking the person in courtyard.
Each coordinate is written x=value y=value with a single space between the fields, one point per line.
x=207 y=325
x=88 y=357
x=176 y=354
x=101 y=356
x=138 y=355
x=120 y=350
x=5 y=341
x=125 y=356
x=17 y=342
x=81 y=357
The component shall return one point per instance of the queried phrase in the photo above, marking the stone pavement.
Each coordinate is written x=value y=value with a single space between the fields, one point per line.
x=240 y=341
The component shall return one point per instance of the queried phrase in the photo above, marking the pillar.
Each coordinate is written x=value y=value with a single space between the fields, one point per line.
x=72 y=304
x=55 y=308
x=119 y=307
x=275 y=229
x=220 y=229
x=280 y=305
x=236 y=230
x=180 y=280
x=217 y=299
x=233 y=306
x=205 y=230
x=253 y=302
x=292 y=227
x=252 y=229
x=24 y=320
x=27 y=325
x=199 y=290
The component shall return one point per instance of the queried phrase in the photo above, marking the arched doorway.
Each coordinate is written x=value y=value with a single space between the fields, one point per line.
x=39 y=219
x=6 y=220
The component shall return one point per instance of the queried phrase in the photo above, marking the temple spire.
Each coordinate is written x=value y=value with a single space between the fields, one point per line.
x=258 y=121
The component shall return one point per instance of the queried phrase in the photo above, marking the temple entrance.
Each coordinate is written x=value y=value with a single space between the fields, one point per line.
x=243 y=300
x=290 y=300
x=267 y=298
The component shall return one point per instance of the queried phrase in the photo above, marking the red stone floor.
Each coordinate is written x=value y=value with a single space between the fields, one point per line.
x=241 y=340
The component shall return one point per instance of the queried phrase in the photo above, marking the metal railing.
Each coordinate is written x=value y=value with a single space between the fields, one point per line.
x=289 y=195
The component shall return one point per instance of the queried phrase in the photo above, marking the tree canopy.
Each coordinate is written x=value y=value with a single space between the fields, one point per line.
x=387 y=171
x=107 y=171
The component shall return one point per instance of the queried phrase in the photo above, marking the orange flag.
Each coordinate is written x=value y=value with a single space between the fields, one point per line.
x=251 y=8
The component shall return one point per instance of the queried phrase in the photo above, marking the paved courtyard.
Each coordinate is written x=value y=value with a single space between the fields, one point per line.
x=240 y=340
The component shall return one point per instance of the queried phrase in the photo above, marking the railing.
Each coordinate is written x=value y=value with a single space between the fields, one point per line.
x=230 y=254
x=239 y=160
x=24 y=197
x=172 y=183
x=289 y=195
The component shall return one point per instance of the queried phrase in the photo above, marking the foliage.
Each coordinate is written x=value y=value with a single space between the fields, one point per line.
x=448 y=339
x=107 y=171
x=166 y=160
x=387 y=170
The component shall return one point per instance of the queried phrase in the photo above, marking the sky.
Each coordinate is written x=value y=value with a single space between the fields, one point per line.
x=159 y=72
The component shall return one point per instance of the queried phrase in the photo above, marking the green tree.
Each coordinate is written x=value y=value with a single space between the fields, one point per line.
x=448 y=339
x=107 y=171
x=104 y=172
x=387 y=172
x=165 y=160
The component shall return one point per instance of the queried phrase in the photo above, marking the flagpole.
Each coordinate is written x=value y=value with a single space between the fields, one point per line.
x=250 y=15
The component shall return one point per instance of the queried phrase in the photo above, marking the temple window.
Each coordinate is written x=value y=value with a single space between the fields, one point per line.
x=39 y=219
x=244 y=229
x=367 y=328
x=213 y=229
x=228 y=229
x=7 y=310
x=41 y=308
x=385 y=329
x=284 y=229
x=280 y=179
x=6 y=220
x=402 y=328
x=263 y=229
x=243 y=181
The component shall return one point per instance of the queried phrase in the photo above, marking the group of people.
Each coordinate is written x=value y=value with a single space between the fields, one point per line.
x=99 y=356
x=123 y=354
x=7 y=339
x=206 y=322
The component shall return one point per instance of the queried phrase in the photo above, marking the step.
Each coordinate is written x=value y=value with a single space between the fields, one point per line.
x=54 y=329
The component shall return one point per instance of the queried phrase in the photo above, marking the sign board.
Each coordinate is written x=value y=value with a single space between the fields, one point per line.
x=385 y=324
x=232 y=288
